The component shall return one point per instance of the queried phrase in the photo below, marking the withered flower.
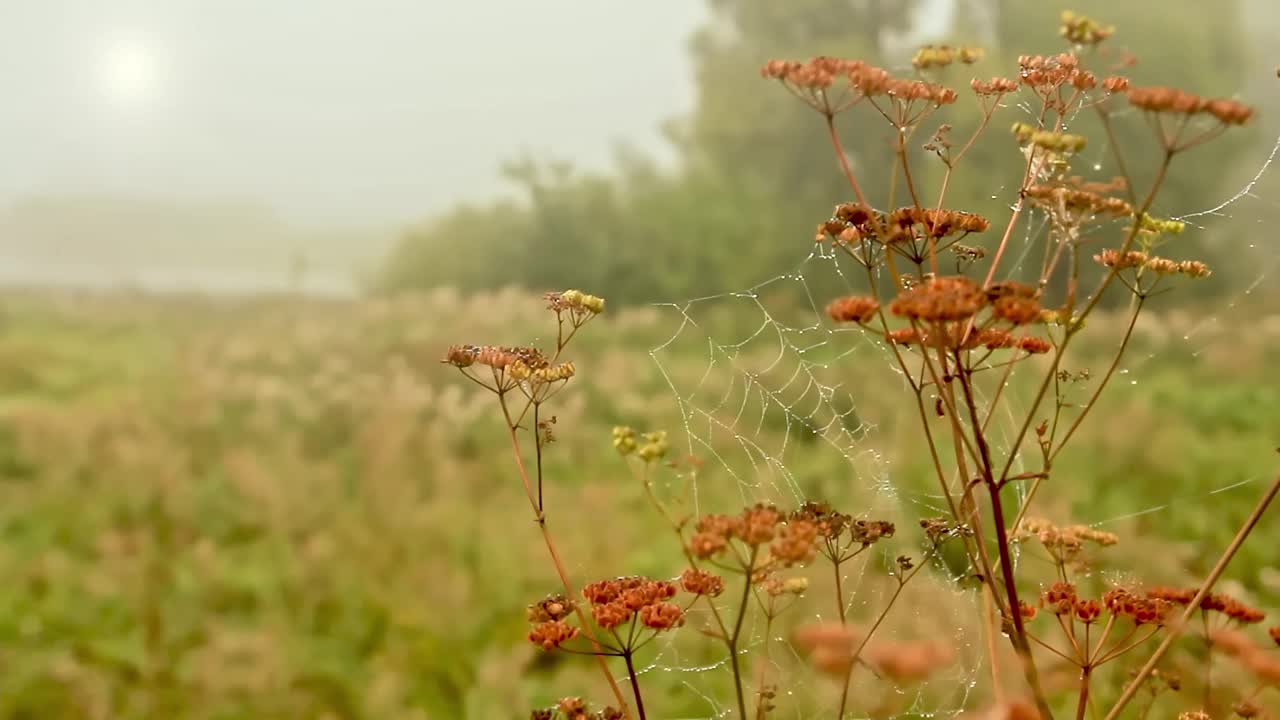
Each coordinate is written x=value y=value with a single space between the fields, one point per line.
x=1194 y=269
x=945 y=298
x=551 y=608
x=572 y=706
x=1059 y=598
x=662 y=616
x=996 y=86
x=759 y=524
x=830 y=524
x=1034 y=345
x=795 y=544
x=701 y=582
x=1116 y=84
x=552 y=634
x=853 y=308
x=1087 y=611
x=940 y=528
x=1173 y=100
x=867 y=532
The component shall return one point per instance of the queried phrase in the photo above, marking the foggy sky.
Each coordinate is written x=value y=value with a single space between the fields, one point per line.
x=345 y=111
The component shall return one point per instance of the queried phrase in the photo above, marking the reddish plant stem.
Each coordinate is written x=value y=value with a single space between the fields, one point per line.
x=737 y=631
x=635 y=683
x=1020 y=642
x=1083 y=702
x=560 y=569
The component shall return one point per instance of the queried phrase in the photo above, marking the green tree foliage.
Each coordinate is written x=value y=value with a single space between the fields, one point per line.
x=755 y=171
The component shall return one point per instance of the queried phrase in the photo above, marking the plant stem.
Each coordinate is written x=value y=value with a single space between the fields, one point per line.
x=635 y=683
x=1015 y=609
x=839 y=591
x=1083 y=702
x=560 y=570
x=737 y=630
x=1175 y=631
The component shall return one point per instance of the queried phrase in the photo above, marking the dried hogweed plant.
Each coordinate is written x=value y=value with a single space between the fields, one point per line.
x=957 y=338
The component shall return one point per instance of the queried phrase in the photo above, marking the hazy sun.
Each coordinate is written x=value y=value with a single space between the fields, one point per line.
x=128 y=73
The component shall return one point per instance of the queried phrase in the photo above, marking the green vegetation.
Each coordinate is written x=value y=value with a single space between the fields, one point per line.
x=753 y=172
x=289 y=508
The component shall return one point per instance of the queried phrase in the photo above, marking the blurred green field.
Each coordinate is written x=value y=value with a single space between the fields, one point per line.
x=287 y=508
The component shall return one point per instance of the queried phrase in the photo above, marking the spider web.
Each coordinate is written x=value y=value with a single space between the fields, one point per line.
x=785 y=407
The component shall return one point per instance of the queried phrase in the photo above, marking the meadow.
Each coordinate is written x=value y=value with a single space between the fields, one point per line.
x=284 y=507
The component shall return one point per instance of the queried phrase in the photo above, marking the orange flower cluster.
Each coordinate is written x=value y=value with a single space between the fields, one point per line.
x=791 y=542
x=1121 y=260
x=1264 y=665
x=1142 y=610
x=573 y=708
x=795 y=544
x=1274 y=634
x=1048 y=73
x=817 y=73
x=1158 y=98
x=829 y=523
x=1116 y=84
x=495 y=356
x=614 y=602
x=1081 y=198
x=851 y=222
x=701 y=582
x=1014 y=302
x=754 y=526
x=853 y=308
x=940 y=300
x=1214 y=602
x=552 y=634
x=1064 y=543
x=953 y=337
x=1162 y=266
x=994 y=87
x=1061 y=599
x=821 y=73
x=910 y=223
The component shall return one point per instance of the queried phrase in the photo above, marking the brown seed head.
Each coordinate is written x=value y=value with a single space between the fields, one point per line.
x=759 y=524
x=701 y=582
x=946 y=298
x=853 y=308
x=550 y=608
x=1034 y=345
x=662 y=616
x=795 y=544
x=1087 y=611
x=996 y=86
x=552 y=634
x=1059 y=598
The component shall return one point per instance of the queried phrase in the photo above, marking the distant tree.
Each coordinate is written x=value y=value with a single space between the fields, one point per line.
x=753 y=175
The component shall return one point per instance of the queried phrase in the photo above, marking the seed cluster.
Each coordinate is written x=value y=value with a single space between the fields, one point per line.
x=617 y=601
